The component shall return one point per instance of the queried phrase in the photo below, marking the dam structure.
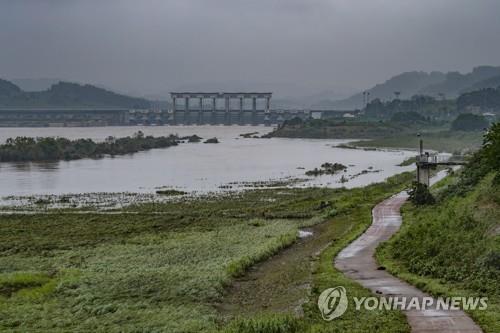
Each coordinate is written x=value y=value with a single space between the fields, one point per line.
x=222 y=108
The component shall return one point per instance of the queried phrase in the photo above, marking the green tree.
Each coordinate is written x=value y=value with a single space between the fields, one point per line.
x=408 y=117
x=469 y=122
x=491 y=148
x=420 y=195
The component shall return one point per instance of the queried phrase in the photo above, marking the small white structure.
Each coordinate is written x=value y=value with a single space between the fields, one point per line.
x=316 y=114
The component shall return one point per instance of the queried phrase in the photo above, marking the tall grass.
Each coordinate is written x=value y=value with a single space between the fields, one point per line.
x=156 y=272
x=453 y=248
x=160 y=272
x=265 y=324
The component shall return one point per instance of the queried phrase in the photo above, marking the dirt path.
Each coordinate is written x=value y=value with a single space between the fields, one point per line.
x=358 y=263
x=281 y=284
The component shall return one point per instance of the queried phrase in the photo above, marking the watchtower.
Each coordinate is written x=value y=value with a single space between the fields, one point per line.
x=427 y=161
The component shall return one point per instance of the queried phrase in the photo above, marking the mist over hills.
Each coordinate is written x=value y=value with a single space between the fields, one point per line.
x=450 y=84
x=285 y=94
x=408 y=84
x=48 y=92
x=28 y=84
x=493 y=82
x=66 y=94
x=456 y=83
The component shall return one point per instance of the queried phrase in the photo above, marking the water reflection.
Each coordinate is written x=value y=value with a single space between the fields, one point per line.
x=232 y=164
x=38 y=166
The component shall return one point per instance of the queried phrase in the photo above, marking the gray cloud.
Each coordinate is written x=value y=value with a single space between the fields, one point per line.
x=150 y=46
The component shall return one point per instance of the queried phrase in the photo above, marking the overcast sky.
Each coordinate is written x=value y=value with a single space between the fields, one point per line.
x=153 y=46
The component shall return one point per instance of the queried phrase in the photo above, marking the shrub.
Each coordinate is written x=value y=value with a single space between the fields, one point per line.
x=491 y=149
x=408 y=117
x=420 y=195
x=469 y=122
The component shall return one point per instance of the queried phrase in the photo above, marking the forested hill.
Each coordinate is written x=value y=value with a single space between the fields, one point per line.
x=435 y=84
x=457 y=83
x=66 y=94
x=408 y=84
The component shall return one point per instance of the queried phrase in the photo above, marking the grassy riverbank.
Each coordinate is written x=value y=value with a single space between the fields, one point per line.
x=358 y=218
x=164 y=267
x=443 y=141
x=275 y=286
x=336 y=129
x=452 y=248
x=385 y=134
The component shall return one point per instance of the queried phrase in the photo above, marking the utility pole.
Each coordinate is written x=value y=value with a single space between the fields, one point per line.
x=420 y=152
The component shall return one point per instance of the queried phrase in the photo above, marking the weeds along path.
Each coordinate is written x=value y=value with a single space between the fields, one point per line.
x=358 y=263
x=282 y=283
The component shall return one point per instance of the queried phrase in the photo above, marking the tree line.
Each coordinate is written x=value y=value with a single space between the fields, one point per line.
x=23 y=149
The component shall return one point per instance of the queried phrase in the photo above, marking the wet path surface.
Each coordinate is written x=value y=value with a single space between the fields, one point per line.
x=358 y=263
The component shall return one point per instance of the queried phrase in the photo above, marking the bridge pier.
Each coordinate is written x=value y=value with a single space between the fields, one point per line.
x=199 y=119
x=213 y=116
x=186 y=111
x=241 y=115
x=227 y=119
x=174 y=111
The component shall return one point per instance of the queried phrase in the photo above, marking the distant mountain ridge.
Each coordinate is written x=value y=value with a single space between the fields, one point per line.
x=451 y=85
x=407 y=83
x=455 y=82
x=66 y=94
x=493 y=82
x=435 y=84
x=35 y=84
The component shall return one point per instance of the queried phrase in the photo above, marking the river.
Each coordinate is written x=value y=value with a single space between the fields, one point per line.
x=234 y=163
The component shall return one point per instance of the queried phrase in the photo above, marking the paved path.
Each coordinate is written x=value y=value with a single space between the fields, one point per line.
x=358 y=263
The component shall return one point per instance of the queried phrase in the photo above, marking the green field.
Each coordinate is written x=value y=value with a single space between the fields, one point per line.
x=165 y=267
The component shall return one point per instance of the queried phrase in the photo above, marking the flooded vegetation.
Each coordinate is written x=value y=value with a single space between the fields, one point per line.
x=101 y=201
x=249 y=166
x=140 y=257
x=233 y=164
x=141 y=265
x=28 y=149
x=170 y=192
x=327 y=169
x=212 y=140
